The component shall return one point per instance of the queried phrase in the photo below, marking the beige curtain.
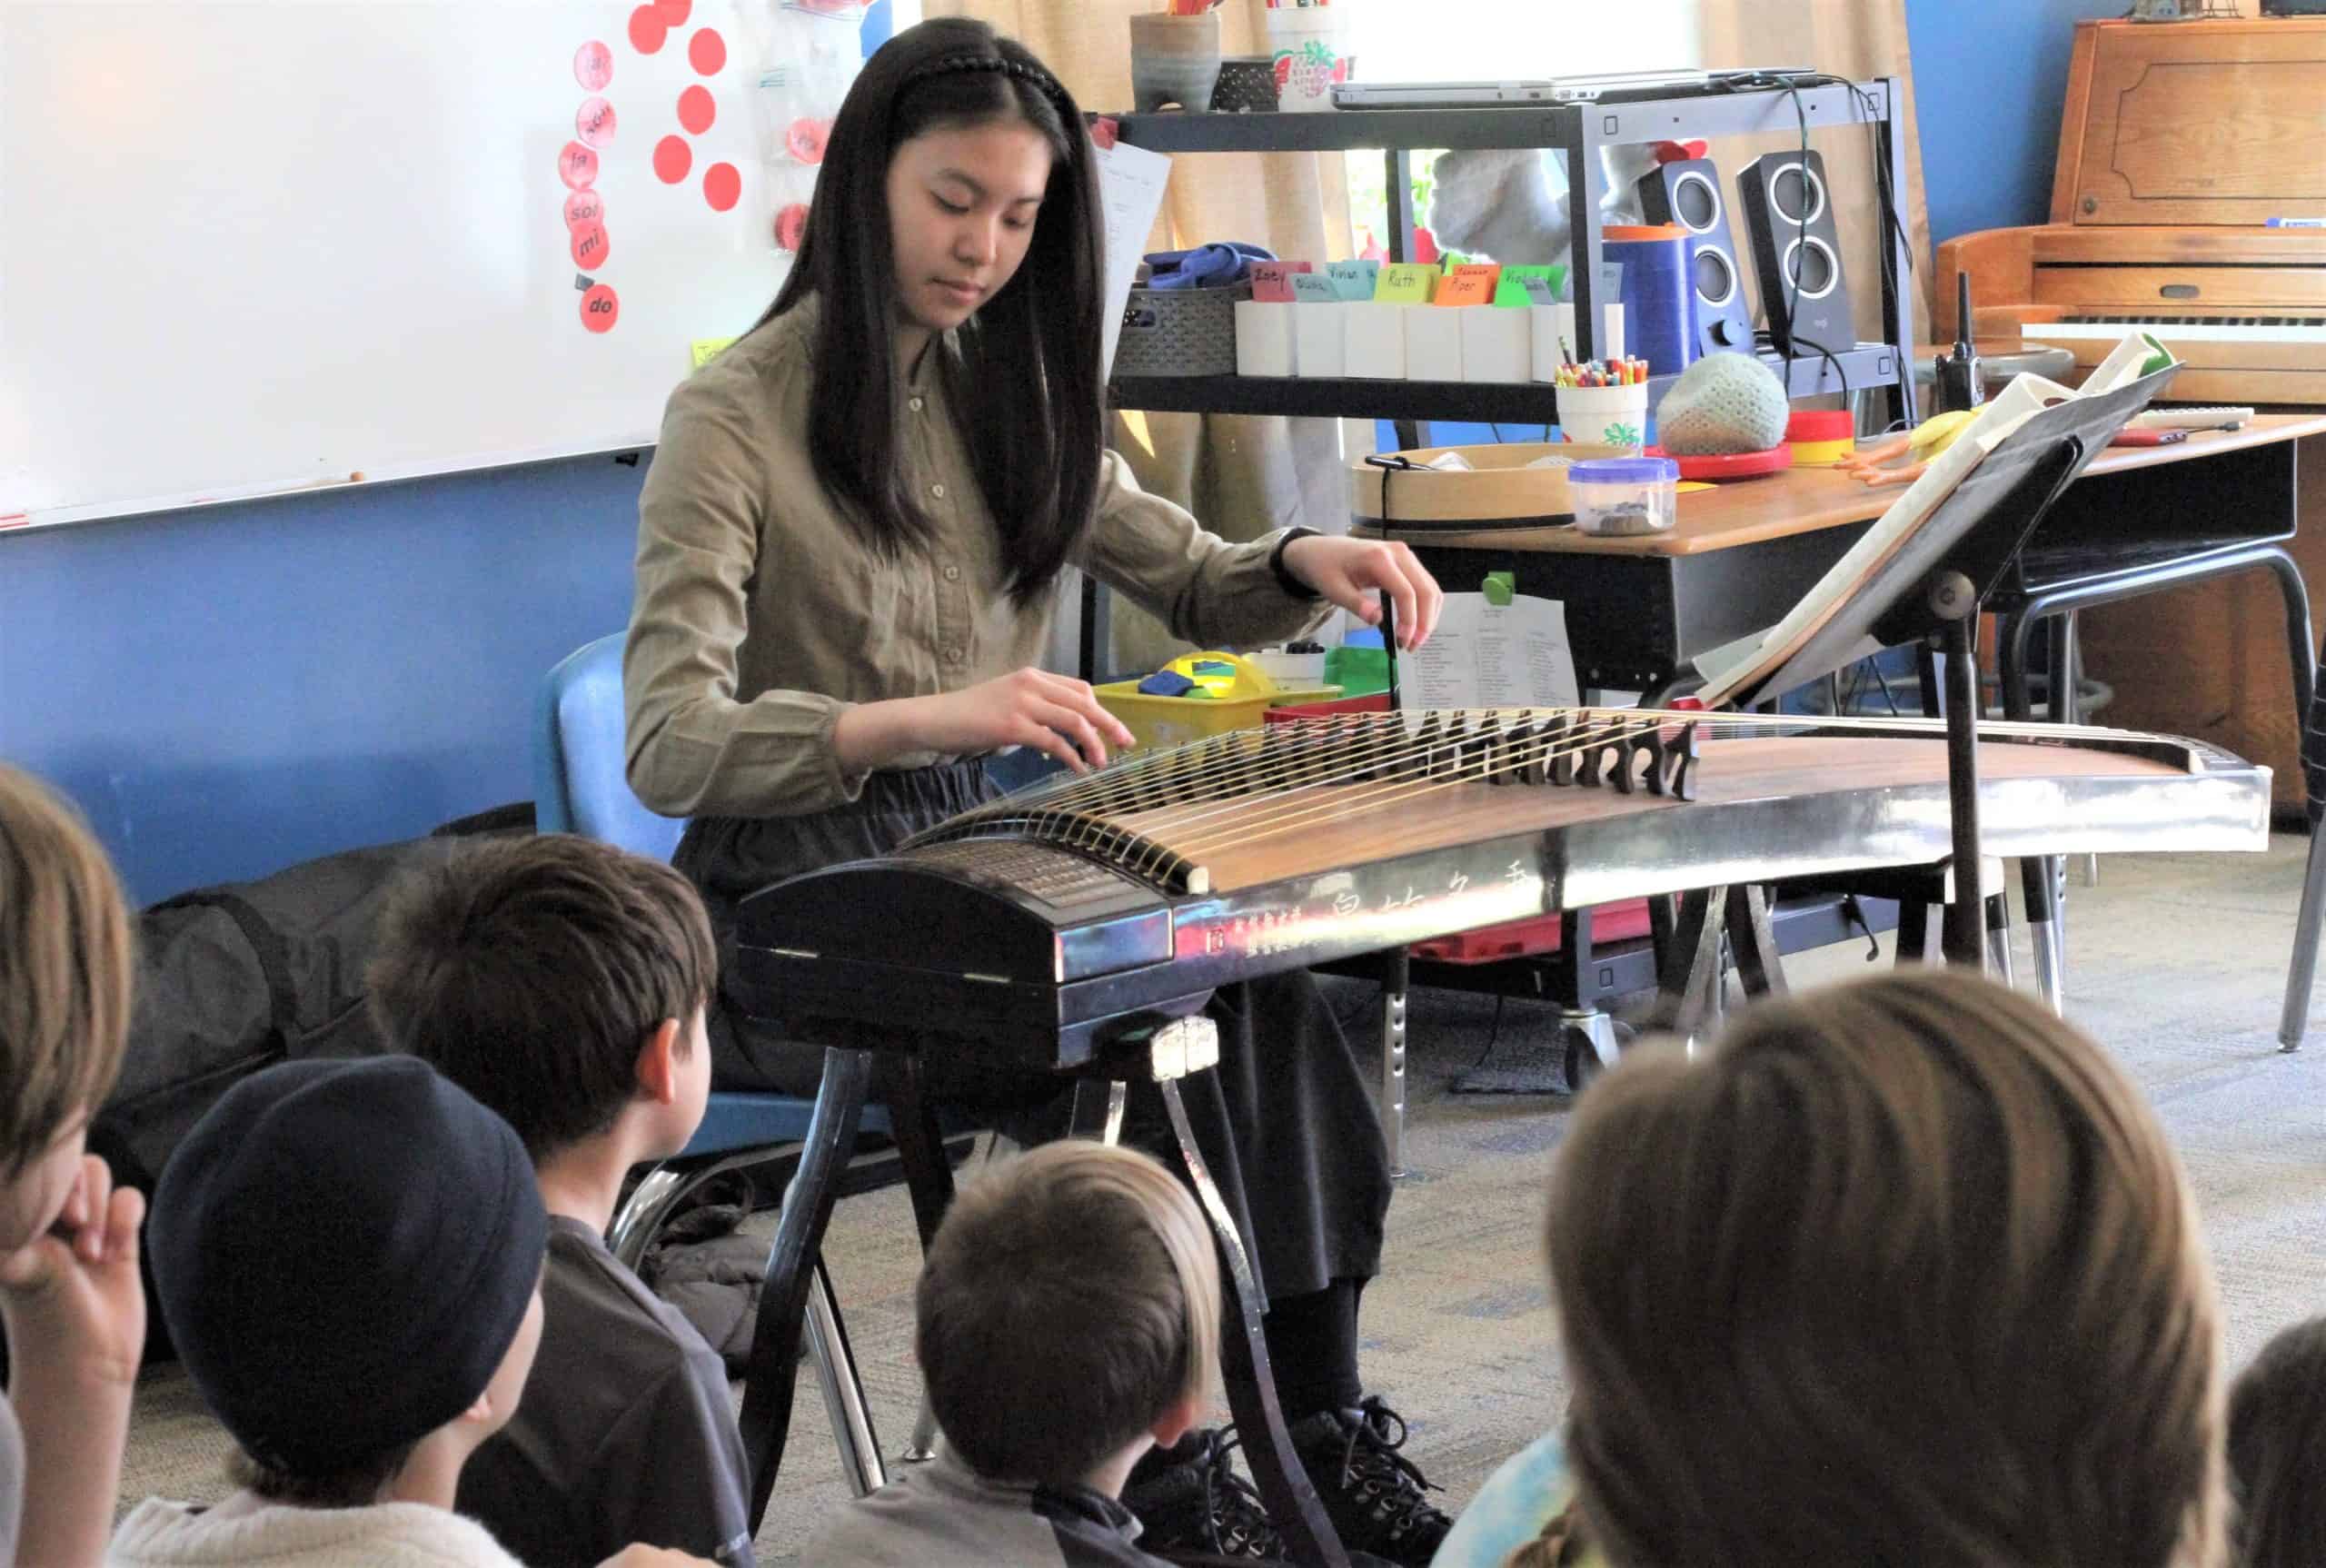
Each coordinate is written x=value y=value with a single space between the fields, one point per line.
x=1243 y=476
x=1853 y=38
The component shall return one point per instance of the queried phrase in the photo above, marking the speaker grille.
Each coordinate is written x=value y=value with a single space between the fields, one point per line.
x=1715 y=276
x=1695 y=202
x=1796 y=195
x=1811 y=268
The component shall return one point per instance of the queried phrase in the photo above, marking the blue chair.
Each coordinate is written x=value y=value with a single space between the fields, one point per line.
x=580 y=785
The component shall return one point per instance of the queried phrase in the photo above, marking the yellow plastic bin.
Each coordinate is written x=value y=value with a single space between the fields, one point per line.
x=1241 y=693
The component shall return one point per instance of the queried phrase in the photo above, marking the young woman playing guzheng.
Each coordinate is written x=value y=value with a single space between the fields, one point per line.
x=849 y=554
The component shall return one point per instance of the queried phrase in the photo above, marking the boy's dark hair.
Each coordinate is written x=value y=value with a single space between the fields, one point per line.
x=65 y=957
x=531 y=971
x=2277 y=1451
x=1070 y=1298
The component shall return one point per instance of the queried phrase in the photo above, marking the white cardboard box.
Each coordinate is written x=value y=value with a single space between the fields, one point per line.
x=1375 y=340
x=1264 y=342
x=1497 y=342
x=1434 y=341
x=1320 y=338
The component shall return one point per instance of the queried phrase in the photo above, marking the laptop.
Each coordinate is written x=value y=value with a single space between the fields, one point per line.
x=1615 y=87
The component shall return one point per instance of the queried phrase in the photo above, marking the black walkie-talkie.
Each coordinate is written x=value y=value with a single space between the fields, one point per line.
x=1961 y=384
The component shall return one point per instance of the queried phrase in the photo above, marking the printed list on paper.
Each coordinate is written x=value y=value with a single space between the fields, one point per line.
x=1492 y=655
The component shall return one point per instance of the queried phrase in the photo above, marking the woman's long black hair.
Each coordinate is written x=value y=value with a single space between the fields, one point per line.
x=1026 y=383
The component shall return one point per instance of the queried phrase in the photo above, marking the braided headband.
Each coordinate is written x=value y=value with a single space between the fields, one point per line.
x=956 y=64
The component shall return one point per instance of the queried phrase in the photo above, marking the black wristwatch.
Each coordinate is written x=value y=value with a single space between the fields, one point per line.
x=1284 y=579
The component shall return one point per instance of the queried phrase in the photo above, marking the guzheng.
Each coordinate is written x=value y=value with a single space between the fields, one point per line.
x=1043 y=924
x=2177 y=146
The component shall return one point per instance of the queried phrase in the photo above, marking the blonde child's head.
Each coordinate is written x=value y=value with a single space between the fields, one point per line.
x=1069 y=1304
x=1901 y=1271
x=64 y=978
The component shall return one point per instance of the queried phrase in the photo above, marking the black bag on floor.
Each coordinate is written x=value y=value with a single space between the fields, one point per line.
x=237 y=977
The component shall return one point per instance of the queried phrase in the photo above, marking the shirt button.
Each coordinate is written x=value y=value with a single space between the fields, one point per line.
x=914 y=405
x=938 y=491
x=953 y=574
x=952 y=656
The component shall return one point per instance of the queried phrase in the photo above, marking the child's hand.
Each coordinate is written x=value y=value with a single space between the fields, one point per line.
x=75 y=1293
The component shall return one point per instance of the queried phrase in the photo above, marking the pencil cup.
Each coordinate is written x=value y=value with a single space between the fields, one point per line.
x=1306 y=43
x=1174 y=59
x=1604 y=416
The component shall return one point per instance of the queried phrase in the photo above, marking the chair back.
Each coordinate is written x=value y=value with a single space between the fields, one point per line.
x=580 y=777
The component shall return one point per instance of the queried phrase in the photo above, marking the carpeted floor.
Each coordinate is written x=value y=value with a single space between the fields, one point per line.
x=2176 y=963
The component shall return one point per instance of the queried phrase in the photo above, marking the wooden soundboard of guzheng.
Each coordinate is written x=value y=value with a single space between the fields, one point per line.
x=1036 y=926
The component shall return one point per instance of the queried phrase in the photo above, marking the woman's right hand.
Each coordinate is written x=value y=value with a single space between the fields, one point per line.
x=1054 y=714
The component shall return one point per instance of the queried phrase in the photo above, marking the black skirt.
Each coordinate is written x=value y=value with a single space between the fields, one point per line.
x=1286 y=1121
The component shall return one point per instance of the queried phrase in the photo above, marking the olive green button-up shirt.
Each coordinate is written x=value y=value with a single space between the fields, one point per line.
x=761 y=615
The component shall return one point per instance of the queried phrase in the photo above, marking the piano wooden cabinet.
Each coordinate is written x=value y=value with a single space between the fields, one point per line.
x=2177 y=145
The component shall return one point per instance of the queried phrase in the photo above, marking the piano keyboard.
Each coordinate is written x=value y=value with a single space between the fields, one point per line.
x=2228 y=359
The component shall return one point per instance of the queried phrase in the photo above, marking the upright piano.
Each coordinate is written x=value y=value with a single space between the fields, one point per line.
x=2179 y=143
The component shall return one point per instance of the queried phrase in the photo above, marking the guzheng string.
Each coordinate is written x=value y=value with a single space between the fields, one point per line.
x=1355 y=746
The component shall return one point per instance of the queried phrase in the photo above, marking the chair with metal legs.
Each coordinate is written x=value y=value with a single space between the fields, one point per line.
x=2296 y=1020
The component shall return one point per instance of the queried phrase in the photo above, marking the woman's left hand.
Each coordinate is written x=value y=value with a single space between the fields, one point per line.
x=1352 y=571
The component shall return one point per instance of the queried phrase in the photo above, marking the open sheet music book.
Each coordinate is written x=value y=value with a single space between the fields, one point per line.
x=1748 y=664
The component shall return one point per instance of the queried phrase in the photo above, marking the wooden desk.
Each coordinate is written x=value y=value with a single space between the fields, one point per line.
x=1641 y=610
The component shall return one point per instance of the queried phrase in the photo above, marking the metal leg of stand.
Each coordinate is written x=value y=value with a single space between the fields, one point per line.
x=1098 y=1105
x=2300 y=977
x=1397 y=973
x=774 y=1365
x=860 y=1445
x=2039 y=876
x=1751 y=938
x=1283 y=1480
x=1689 y=983
x=1998 y=921
x=1965 y=922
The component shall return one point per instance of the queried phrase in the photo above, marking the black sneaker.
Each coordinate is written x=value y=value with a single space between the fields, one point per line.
x=1374 y=1495
x=1192 y=1502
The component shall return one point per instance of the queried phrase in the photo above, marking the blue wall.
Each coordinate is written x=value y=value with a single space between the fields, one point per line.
x=1989 y=79
x=229 y=691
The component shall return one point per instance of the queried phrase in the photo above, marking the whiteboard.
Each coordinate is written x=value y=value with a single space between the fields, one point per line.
x=248 y=245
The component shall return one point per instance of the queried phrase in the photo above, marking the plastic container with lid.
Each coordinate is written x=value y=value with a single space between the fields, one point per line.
x=1624 y=495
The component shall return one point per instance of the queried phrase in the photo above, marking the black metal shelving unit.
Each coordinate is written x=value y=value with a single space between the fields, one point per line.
x=1577 y=132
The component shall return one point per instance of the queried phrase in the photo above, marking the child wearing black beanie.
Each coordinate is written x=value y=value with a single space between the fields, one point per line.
x=348 y=1256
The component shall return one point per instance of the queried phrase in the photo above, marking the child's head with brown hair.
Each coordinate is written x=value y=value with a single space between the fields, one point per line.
x=2277 y=1451
x=1901 y=1271
x=1068 y=1311
x=557 y=979
x=65 y=979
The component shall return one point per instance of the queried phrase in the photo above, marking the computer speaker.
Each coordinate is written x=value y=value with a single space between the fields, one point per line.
x=1687 y=192
x=1796 y=253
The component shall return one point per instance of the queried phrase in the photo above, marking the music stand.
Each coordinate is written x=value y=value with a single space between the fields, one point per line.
x=1929 y=590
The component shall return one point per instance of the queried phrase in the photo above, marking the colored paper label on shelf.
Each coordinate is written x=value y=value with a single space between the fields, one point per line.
x=1471 y=283
x=705 y=350
x=1530 y=285
x=1406 y=283
x=1272 y=281
x=1354 y=280
x=1312 y=289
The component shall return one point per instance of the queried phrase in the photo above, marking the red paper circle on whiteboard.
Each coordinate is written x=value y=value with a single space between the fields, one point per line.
x=594 y=122
x=806 y=138
x=722 y=187
x=599 y=308
x=697 y=109
x=590 y=245
x=577 y=166
x=672 y=159
x=593 y=66
x=647 y=29
x=674 y=13
x=791 y=226
x=584 y=206
x=707 y=51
